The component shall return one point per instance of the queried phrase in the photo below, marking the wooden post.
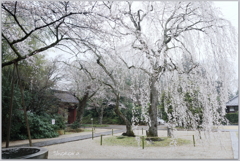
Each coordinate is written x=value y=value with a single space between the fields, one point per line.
x=143 y=142
x=92 y=133
x=193 y=141
x=101 y=140
x=169 y=132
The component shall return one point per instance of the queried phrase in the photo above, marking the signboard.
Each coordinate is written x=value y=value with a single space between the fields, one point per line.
x=53 y=121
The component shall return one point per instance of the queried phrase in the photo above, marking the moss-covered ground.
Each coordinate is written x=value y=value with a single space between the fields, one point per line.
x=137 y=141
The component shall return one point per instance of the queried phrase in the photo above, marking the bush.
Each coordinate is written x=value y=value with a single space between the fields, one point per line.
x=41 y=127
x=75 y=125
x=232 y=117
x=59 y=122
x=18 y=126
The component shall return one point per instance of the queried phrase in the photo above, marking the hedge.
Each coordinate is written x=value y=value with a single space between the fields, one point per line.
x=232 y=117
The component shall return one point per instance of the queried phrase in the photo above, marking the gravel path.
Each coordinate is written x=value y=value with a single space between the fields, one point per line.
x=217 y=146
x=234 y=144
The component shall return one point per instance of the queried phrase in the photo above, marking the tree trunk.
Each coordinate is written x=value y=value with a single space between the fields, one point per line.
x=101 y=115
x=10 y=109
x=129 y=131
x=25 y=110
x=81 y=106
x=152 y=132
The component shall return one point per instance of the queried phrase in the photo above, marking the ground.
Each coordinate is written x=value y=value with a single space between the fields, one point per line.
x=216 y=146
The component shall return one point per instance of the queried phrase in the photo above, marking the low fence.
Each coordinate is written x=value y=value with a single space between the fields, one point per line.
x=93 y=129
x=142 y=138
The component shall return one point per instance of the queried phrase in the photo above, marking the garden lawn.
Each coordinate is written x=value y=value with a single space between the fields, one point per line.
x=137 y=141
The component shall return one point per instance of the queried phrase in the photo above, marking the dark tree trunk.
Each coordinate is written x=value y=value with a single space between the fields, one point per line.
x=152 y=132
x=129 y=131
x=25 y=110
x=100 y=113
x=82 y=103
x=81 y=106
x=10 y=109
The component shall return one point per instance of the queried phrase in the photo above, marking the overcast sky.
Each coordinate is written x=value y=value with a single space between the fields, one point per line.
x=229 y=10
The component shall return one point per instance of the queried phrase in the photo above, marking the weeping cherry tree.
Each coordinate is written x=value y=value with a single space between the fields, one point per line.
x=157 y=35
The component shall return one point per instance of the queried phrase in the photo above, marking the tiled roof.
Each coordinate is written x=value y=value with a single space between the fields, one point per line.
x=233 y=101
x=65 y=96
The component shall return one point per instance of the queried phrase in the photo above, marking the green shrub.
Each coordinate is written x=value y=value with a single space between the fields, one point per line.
x=75 y=125
x=232 y=117
x=59 y=122
x=41 y=127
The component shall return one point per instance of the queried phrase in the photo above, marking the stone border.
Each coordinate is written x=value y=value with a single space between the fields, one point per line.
x=41 y=154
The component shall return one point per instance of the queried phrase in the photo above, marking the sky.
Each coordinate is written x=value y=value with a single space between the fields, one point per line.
x=229 y=10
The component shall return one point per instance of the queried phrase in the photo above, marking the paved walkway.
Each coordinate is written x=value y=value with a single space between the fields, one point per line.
x=67 y=139
x=233 y=133
x=234 y=144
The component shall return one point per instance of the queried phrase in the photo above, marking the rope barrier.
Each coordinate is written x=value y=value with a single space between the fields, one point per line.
x=143 y=138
